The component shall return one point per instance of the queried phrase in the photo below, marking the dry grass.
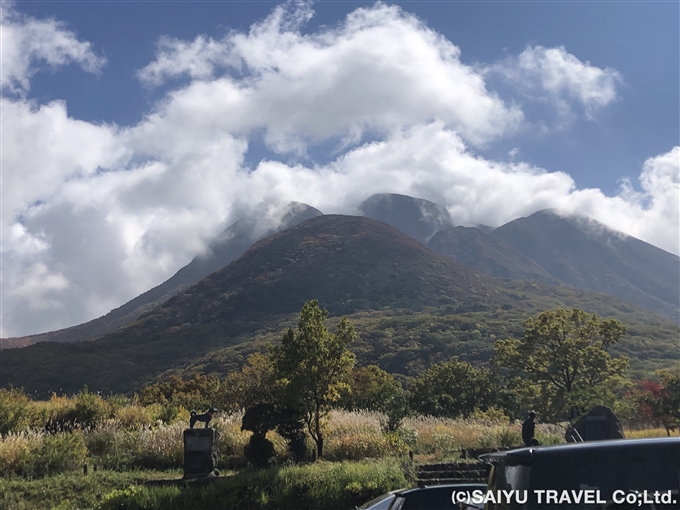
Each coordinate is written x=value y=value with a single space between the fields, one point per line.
x=15 y=448
x=137 y=417
x=133 y=439
x=643 y=433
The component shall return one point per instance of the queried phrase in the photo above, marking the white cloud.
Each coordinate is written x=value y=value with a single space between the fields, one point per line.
x=27 y=42
x=381 y=69
x=196 y=59
x=46 y=148
x=559 y=77
x=652 y=214
x=100 y=213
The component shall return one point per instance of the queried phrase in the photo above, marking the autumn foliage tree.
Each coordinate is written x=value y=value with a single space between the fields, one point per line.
x=662 y=399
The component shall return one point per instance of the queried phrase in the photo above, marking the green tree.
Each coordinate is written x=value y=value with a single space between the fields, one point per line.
x=562 y=367
x=254 y=384
x=452 y=389
x=311 y=366
x=396 y=407
x=369 y=388
x=198 y=393
x=255 y=390
x=372 y=389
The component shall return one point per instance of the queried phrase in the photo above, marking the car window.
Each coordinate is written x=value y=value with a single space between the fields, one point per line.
x=398 y=503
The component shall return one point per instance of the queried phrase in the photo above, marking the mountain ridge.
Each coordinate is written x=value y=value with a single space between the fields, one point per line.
x=534 y=248
x=352 y=265
x=570 y=250
x=228 y=246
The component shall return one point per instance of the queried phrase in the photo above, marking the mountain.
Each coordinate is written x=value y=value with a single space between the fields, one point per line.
x=585 y=254
x=416 y=217
x=545 y=247
x=228 y=246
x=478 y=250
x=411 y=306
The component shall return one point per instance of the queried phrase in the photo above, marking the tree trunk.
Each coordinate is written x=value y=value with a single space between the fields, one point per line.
x=319 y=448
x=319 y=435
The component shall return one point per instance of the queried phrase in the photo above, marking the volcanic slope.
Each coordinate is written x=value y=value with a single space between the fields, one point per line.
x=476 y=249
x=585 y=254
x=227 y=247
x=352 y=265
x=546 y=247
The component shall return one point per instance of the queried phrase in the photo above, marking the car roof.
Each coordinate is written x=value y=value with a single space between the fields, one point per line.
x=527 y=455
x=450 y=486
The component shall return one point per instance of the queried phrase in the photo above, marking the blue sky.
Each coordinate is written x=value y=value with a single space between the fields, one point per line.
x=134 y=132
x=639 y=39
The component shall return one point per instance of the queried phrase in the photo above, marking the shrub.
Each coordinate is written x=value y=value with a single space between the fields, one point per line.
x=117 y=402
x=508 y=437
x=103 y=441
x=86 y=410
x=169 y=412
x=198 y=393
x=15 y=449
x=135 y=417
x=291 y=427
x=14 y=411
x=90 y=409
x=259 y=451
x=491 y=416
x=55 y=454
x=60 y=413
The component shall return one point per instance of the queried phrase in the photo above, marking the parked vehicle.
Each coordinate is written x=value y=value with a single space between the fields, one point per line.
x=640 y=473
x=435 y=497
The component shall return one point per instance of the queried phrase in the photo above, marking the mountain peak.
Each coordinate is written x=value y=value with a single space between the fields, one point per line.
x=416 y=217
x=586 y=254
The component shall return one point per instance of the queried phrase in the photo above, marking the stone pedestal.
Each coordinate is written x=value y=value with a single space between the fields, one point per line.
x=200 y=453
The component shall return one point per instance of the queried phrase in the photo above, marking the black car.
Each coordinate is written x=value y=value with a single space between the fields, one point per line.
x=435 y=497
x=636 y=473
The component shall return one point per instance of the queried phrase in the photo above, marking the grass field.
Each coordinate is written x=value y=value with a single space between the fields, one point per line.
x=70 y=490
x=45 y=471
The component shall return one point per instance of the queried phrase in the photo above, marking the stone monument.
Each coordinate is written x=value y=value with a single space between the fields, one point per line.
x=599 y=423
x=200 y=453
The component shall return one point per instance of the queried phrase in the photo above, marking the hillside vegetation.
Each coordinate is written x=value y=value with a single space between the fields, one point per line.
x=411 y=306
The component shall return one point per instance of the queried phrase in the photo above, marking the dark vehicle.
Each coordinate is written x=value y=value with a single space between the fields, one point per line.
x=435 y=497
x=617 y=474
